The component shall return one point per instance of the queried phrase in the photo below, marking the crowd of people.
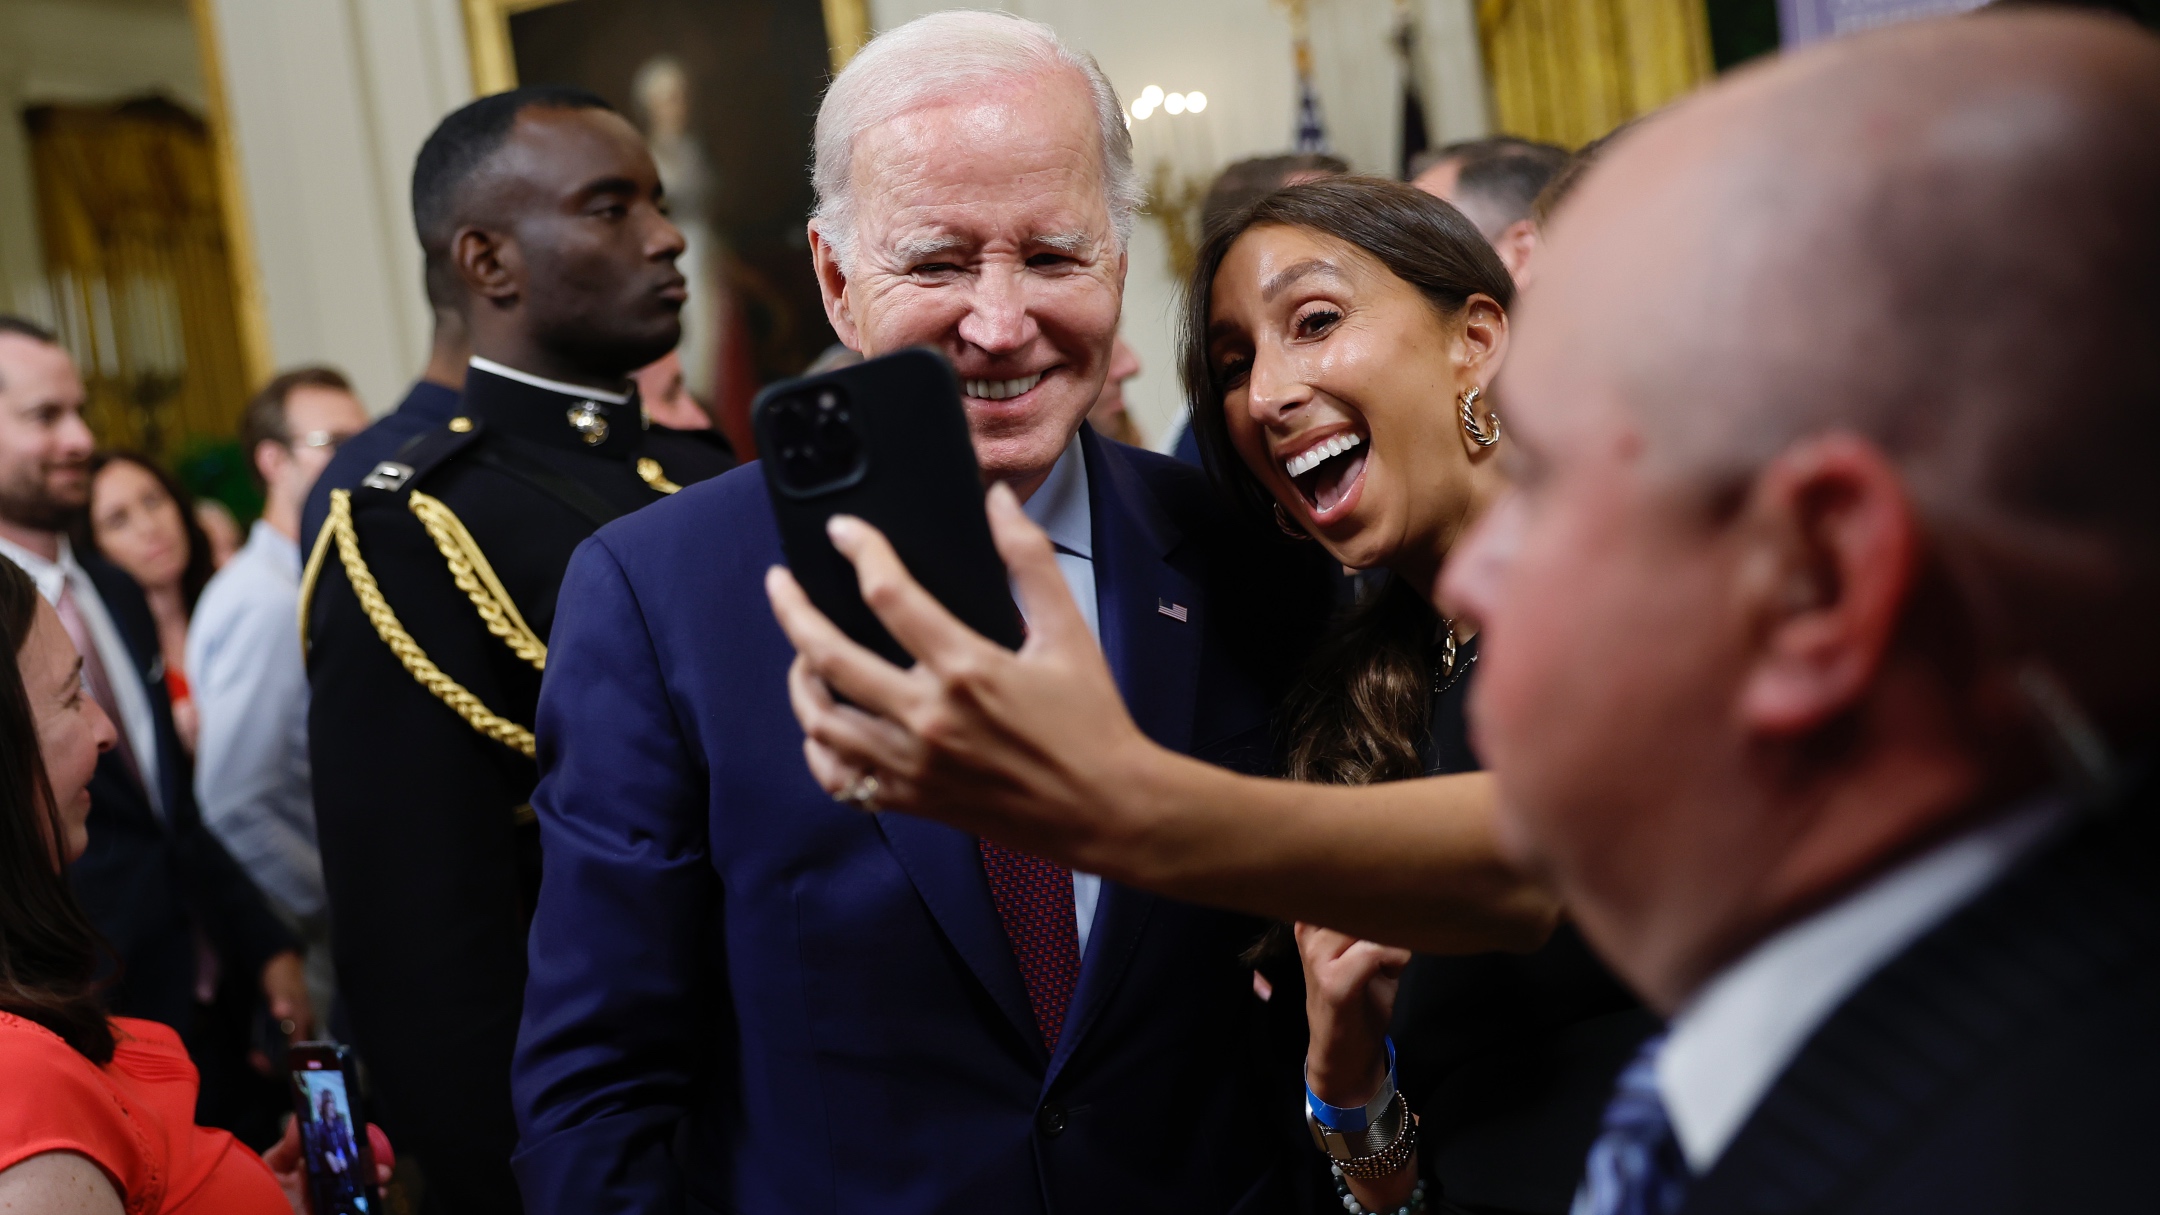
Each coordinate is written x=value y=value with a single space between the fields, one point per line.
x=1631 y=696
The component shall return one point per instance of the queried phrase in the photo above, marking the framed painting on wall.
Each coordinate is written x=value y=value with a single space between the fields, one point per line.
x=725 y=92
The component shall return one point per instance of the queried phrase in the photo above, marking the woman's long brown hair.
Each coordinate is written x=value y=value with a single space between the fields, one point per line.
x=1362 y=710
x=48 y=950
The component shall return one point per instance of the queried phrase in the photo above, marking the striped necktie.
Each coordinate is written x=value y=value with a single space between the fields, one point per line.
x=1635 y=1167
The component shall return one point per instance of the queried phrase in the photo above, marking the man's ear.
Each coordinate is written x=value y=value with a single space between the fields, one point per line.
x=1834 y=554
x=270 y=457
x=489 y=264
x=1516 y=245
x=832 y=287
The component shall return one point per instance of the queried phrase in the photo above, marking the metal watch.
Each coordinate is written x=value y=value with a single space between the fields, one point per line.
x=1375 y=1150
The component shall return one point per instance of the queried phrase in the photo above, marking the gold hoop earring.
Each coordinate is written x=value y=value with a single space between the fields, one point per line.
x=1478 y=433
x=1287 y=526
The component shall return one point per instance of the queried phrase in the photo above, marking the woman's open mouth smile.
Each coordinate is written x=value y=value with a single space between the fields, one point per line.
x=1329 y=475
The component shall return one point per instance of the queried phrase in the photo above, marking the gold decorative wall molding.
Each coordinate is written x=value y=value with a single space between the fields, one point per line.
x=494 y=61
x=847 y=28
x=487 y=41
x=1568 y=71
x=252 y=313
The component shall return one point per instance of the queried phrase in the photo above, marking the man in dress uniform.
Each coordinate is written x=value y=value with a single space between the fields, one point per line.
x=430 y=592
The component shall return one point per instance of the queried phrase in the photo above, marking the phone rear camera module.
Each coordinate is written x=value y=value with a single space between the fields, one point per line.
x=819 y=440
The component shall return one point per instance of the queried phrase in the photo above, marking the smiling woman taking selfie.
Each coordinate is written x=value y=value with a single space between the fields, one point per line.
x=1339 y=339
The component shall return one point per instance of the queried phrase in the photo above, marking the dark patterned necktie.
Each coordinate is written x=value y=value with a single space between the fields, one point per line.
x=1635 y=1167
x=1035 y=902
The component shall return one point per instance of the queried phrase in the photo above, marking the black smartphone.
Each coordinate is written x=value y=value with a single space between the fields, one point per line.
x=333 y=1136
x=885 y=440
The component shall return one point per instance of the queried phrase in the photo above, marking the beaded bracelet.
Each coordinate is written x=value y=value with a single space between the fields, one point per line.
x=1351 y=1205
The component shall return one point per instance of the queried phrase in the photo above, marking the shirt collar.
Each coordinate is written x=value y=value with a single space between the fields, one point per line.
x=49 y=575
x=1059 y=505
x=273 y=543
x=1740 y=1031
x=552 y=413
x=569 y=390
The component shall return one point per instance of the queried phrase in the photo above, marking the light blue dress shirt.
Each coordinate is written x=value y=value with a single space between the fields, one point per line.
x=1060 y=507
x=250 y=682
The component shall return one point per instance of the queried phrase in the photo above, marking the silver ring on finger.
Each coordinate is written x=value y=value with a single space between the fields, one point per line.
x=862 y=792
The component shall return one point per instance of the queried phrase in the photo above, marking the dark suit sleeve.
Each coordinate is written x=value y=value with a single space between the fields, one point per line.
x=415 y=813
x=232 y=908
x=612 y=1024
x=247 y=933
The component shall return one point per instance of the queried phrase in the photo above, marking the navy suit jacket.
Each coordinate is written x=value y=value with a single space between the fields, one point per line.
x=147 y=883
x=745 y=997
x=2007 y=1063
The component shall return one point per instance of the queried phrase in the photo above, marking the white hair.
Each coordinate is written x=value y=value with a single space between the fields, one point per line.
x=935 y=57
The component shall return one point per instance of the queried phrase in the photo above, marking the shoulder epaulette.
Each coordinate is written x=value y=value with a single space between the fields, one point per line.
x=421 y=455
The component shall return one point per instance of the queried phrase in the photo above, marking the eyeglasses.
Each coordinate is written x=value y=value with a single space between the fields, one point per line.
x=321 y=438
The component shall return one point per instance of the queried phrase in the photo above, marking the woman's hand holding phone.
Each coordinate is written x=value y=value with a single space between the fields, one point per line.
x=289 y=1164
x=1010 y=744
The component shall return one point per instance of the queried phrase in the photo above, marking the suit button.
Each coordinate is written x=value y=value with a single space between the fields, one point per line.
x=1051 y=1119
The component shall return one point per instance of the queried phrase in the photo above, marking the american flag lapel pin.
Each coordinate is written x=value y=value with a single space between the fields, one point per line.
x=1175 y=611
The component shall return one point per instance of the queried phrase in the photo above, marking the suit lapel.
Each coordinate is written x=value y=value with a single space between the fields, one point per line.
x=1155 y=657
x=2053 y=935
x=946 y=868
x=130 y=616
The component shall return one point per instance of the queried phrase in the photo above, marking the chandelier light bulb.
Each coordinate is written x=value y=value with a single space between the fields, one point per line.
x=1141 y=109
x=1174 y=104
x=1151 y=96
x=1194 y=102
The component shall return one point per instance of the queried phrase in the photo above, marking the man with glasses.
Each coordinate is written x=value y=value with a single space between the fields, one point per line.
x=251 y=773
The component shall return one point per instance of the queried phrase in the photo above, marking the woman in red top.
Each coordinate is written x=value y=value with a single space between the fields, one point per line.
x=96 y=1112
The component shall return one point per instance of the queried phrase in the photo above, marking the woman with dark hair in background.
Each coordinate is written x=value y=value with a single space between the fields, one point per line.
x=96 y=1112
x=142 y=521
x=1338 y=339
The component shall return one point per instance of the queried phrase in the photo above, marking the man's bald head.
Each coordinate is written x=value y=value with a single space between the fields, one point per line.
x=1834 y=415
x=1944 y=238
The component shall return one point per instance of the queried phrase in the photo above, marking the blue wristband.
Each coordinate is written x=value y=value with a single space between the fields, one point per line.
x=1354 y=1117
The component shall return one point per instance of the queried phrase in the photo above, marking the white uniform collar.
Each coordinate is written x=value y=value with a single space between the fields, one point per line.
x=569 y=390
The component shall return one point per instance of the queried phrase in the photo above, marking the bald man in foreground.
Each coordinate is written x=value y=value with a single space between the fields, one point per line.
x=1819 y=670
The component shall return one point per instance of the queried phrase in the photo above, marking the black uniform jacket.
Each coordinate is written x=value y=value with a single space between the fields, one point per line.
x=149 y=882
x=433 y=590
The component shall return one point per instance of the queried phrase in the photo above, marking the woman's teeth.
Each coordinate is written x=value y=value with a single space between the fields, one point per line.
x=1313 y=457
x=999 y=390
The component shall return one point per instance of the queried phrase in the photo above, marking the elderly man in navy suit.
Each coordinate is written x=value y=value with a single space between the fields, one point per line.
x=747 y=997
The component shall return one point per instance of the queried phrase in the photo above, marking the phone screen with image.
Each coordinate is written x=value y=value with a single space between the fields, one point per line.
x=333 y=1138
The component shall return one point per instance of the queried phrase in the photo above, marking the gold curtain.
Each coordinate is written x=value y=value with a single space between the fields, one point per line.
x=1568 y=71
x=142 y=287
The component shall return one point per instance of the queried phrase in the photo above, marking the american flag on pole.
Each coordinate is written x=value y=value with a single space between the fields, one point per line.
x=1311 y=136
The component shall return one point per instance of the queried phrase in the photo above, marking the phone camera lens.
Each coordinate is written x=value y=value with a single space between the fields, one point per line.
x=818 y=446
